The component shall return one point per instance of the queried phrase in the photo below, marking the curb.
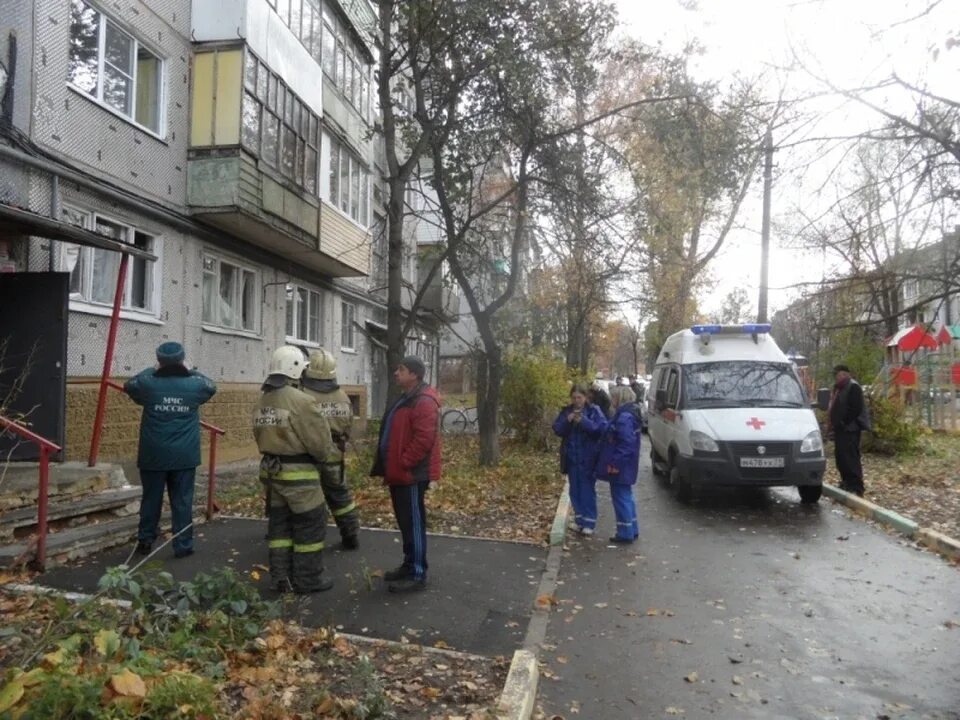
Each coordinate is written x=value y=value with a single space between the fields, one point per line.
x=898 y=522
x=938 y=542
x=558 y=532
x=520 y=690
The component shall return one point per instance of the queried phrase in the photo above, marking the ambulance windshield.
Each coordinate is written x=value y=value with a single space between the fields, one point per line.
x=742 y=383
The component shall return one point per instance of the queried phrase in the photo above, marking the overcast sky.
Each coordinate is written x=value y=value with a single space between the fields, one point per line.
x=850 y=42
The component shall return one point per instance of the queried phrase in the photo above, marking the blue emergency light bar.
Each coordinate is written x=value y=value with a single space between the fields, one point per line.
x=746 y=329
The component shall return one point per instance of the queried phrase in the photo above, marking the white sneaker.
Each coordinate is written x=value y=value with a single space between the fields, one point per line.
x=586 y=532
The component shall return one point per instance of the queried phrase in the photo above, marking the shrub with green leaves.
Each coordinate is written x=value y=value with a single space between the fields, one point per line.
x=893 y=433
x=535 y=387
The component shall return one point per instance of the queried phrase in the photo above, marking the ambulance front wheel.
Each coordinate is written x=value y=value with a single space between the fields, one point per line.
x=682 y=488
x=657 y=463
x=810 y=493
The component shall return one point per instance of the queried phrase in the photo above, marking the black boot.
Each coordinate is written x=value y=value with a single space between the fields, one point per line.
x=350 y=542
x=143 y=548
x=325 y=584
x=408 y=585
x=398 y=573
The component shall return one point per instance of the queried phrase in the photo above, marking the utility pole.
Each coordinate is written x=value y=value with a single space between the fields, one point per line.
x=765 y=232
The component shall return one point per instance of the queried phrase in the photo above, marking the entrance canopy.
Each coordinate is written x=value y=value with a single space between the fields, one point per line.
x=913 y=338
x=947 y=334
x=17 y=221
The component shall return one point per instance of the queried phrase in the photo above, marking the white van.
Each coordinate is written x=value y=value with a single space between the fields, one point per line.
x=726 y=407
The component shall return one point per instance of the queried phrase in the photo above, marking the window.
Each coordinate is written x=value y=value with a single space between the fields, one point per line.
x=348 y=313
x=911 y=289
x=113 y=68
x=349 y=184
x=229 y=295
x=345 y=64
x=277 y=127
x=303 y=314
x=93 y=271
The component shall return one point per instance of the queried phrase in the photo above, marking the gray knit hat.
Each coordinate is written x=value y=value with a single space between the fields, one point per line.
x=414 y=365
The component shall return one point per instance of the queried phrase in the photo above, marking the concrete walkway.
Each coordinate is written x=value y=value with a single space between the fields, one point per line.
x=480 y=598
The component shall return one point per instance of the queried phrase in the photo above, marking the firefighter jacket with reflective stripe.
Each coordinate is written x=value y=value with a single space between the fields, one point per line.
x=288 y=423
x=171 y=397
x=335 y=406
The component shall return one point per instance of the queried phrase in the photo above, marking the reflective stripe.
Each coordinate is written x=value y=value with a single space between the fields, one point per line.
x=288 y=475
x=312 y=547
x=344 y=510
x=280 y=543
x=291 y=476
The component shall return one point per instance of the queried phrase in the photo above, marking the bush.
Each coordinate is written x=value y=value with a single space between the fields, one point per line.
x=535 y=387
x=892 y=433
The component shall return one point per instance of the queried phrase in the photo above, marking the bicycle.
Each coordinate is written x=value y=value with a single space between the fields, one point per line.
x=455 y=421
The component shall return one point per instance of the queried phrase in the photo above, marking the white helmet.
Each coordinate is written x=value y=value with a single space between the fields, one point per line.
x=322 y=365
x=287 y=360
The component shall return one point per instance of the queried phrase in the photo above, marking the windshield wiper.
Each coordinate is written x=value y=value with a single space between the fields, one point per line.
x=772 y=402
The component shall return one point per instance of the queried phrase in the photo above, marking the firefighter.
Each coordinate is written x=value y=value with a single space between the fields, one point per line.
x=320 y=382
x=293 y=437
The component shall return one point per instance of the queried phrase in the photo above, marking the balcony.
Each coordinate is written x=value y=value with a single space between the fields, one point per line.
x=441 y=295
x=252 y=167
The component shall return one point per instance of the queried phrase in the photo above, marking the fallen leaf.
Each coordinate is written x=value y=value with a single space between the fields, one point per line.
x=545 y=601
x=11 y=694
x=737 y=680
x=674 y=710
x=562 y=660
x=255 y=576
x=128 y=684
x=107 y=642
x=692 y=677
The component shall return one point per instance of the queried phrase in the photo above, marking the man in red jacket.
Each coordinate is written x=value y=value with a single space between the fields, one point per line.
x=408 y=459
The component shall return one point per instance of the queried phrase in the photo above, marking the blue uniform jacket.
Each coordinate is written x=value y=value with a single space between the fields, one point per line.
x=620 y=447
x=578 y=452
x=171 y=397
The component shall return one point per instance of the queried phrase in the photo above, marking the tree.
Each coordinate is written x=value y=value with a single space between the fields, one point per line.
x=736 y=308
x=692 y=161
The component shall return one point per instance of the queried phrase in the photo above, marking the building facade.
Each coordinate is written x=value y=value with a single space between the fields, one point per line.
x=232 y=143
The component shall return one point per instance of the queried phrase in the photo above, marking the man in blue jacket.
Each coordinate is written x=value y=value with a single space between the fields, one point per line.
x=171 y=396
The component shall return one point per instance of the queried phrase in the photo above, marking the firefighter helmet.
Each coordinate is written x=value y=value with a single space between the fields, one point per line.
x=322 y=365
x=288 y=361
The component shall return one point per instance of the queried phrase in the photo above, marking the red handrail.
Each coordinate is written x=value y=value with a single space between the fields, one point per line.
x=46 y=447
x=215 y=432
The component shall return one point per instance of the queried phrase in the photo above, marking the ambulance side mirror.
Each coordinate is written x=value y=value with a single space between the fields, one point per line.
x=823 y=399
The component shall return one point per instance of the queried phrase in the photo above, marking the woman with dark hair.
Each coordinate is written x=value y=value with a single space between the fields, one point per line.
x=580 y=424
x=596 y=395
x=619 y=461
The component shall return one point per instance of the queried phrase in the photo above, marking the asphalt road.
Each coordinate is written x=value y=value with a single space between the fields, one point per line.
x=747 y=604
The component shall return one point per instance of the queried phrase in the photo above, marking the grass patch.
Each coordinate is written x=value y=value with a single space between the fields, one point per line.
x=515 y=501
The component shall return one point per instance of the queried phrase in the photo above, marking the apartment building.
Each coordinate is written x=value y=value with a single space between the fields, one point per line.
x=226 y=149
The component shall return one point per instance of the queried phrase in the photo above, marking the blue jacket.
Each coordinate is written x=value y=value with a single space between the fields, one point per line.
x=578 y=452
x=171 y=397
x=620 y=447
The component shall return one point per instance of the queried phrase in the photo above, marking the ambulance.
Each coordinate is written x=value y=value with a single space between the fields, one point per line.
x=727 y=407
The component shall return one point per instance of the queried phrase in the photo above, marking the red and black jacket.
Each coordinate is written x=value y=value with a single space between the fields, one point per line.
x=408 y=449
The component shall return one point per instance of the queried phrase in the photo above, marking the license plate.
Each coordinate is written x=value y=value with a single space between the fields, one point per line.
x=762 y=462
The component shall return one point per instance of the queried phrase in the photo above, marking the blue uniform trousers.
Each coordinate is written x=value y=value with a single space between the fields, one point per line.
x=179 y=486
x=583 y=497
x=626 y=511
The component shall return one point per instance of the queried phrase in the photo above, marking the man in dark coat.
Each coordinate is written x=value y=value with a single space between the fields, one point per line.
x=847 y=413
x=169 y=451
x=408 y=460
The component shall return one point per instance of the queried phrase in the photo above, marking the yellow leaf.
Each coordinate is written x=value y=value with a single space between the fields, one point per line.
x=430 y=692
x=34 y=677
x=11 y=694
x=107 y=642
x=441 y=644
x=545 y=601
x=128 y=684
x=54 y=659
x=255 y=576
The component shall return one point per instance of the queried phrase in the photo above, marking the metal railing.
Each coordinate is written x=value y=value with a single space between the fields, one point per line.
x=46 y=448
x=215 y=432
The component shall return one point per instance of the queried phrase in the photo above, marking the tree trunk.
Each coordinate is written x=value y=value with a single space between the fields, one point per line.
x=489 y=377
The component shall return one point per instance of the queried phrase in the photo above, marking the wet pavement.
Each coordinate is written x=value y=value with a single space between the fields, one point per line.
x=479 y=599
x=747 y=604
